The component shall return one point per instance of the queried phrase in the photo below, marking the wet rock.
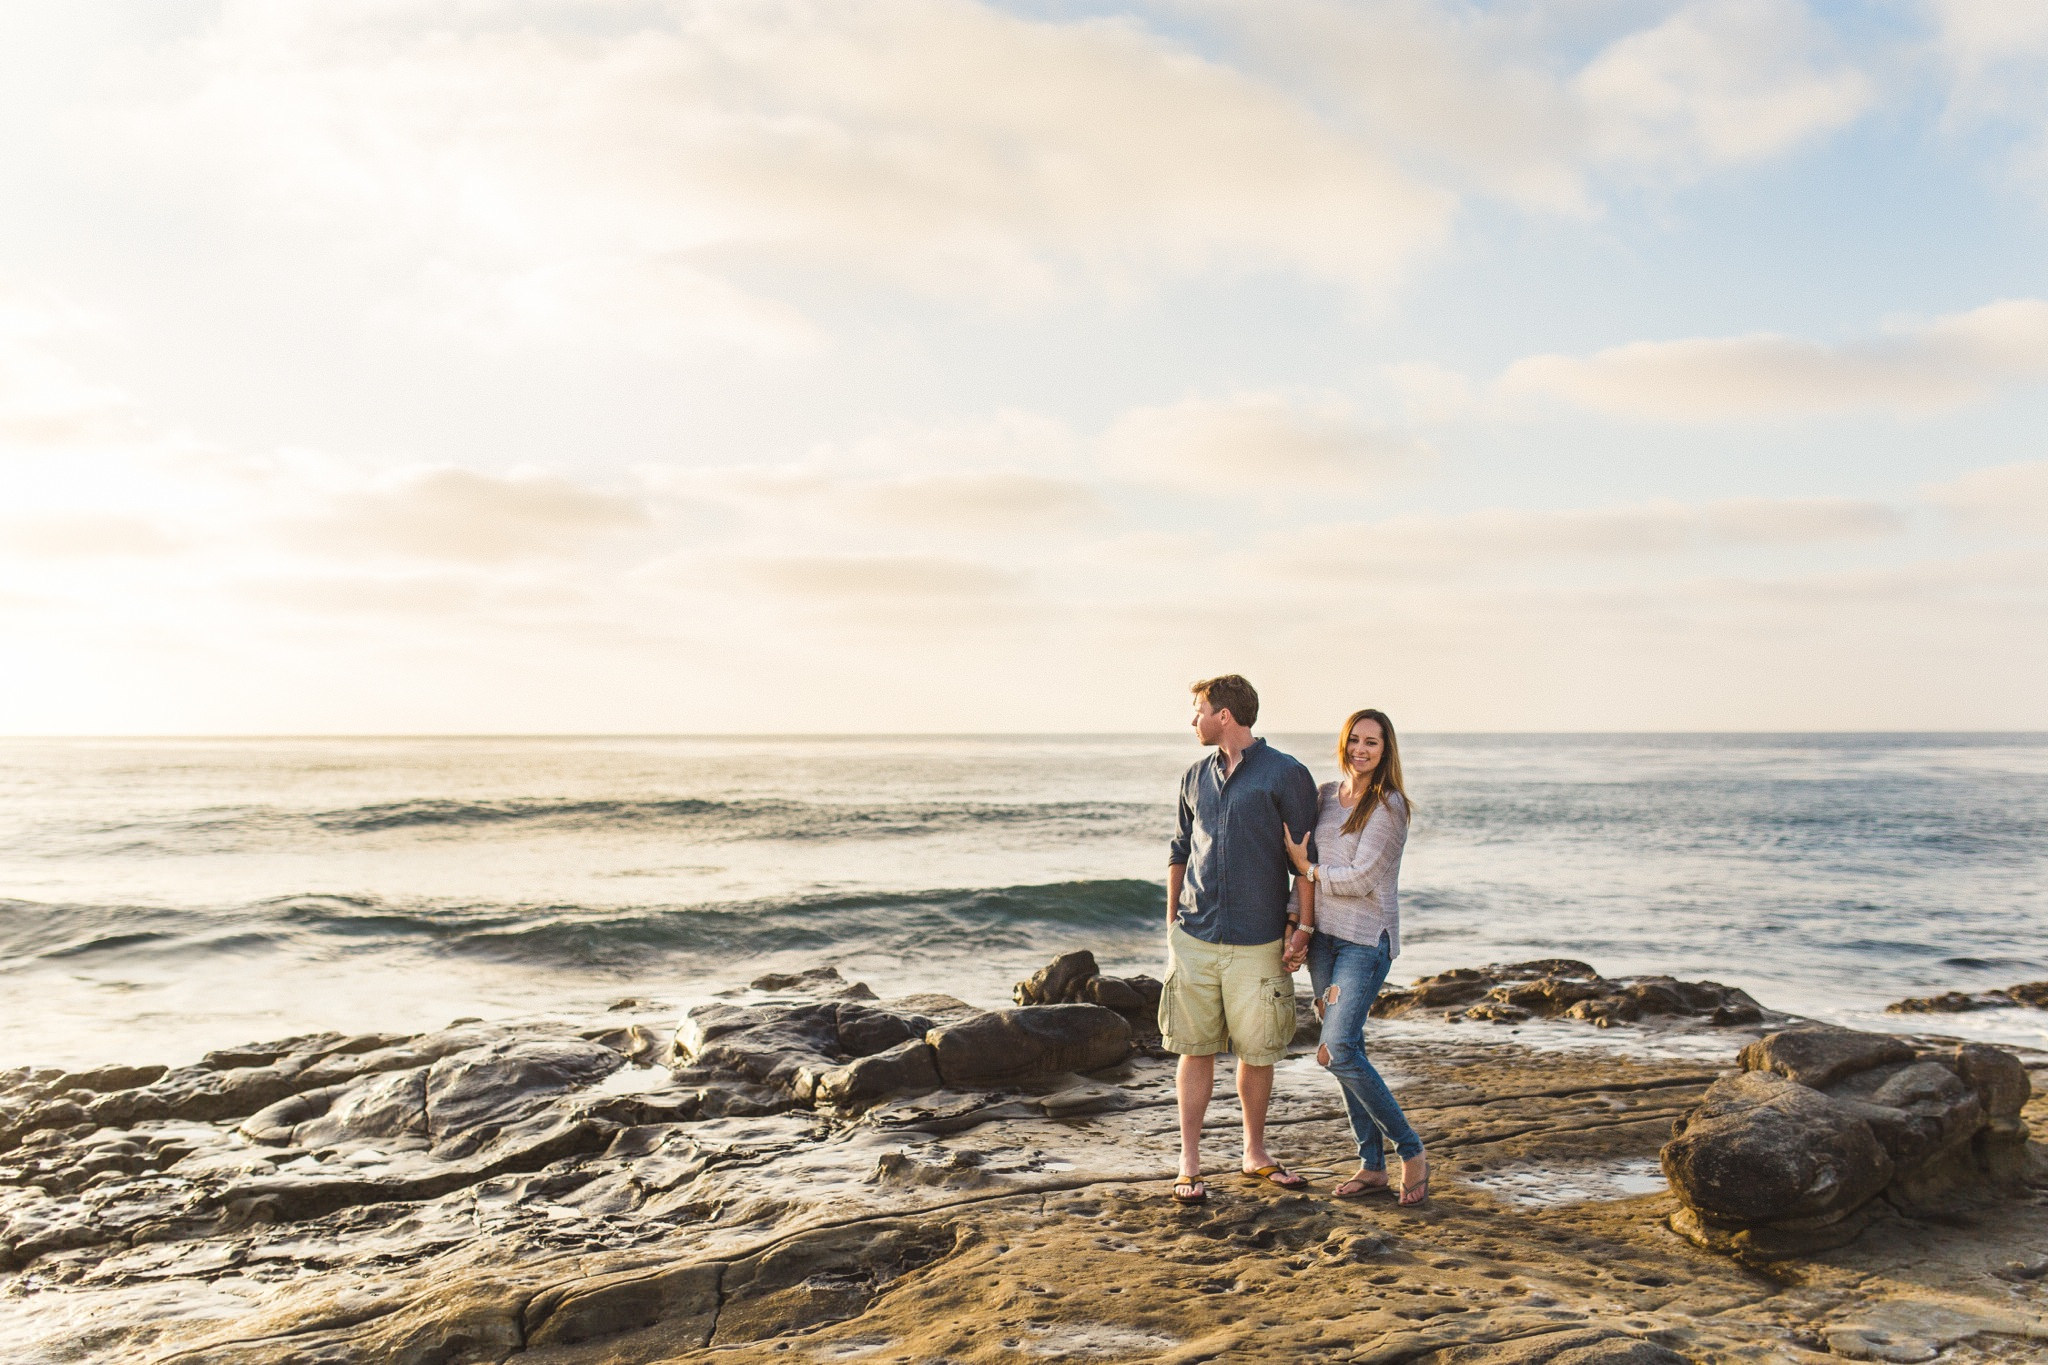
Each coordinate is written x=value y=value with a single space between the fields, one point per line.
x=502 y=1083
x=1059 y=982
x=847 y=1053
x=1073 y=978
x=1565 y=988
x=1592 y=1346
x=821 y=1277
x=685 y=1298
x=789 y=1046
x=1761 y=1149
x=656 y=1213
x=814 y=981
x=1792 y=1155
x=1997 y=1076
x=387 y=1106
x=909 y=1068
x=2030 y=994
x=1005 y=1046
x=102 y=1079
x=1821 y=1056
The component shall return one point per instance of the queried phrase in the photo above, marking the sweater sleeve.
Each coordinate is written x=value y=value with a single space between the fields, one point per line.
x=1379 y=843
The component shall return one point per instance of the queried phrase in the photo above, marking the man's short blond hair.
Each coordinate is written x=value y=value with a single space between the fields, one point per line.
x=1230 y=693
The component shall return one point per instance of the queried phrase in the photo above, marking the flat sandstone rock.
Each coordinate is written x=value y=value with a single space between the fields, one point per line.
x=574 y=1208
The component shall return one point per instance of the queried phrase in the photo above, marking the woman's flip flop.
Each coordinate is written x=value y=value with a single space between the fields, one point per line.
x=1190 y=1189
x=1278 y=1175
x=1355 y=1188
x=1416 y=1195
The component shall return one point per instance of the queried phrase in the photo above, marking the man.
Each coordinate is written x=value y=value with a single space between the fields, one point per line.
x=1226 y=924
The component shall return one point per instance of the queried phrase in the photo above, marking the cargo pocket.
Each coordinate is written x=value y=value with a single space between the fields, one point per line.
x=1170 y=1019
x=1277 y=992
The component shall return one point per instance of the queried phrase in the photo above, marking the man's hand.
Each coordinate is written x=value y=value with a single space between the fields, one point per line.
x=1176 y=876
x=1294 y=951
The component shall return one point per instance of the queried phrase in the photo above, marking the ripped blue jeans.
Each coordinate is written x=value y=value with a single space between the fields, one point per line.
x=1357 y=971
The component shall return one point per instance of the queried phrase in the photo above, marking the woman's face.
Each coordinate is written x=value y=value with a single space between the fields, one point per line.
x=1364 y=745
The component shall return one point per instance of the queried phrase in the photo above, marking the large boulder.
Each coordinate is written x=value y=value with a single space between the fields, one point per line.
x=1005 y=1046
x=1824 y=1125
x=847 y=1053
x=1074 y=979
x=1821 y=1056
x=1764 y=1149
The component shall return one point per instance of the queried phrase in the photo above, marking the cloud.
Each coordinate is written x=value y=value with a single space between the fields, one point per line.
x=463 y=515
x=1719 y=83
x=44 y=400
x=1255 y=440
x=2011 y=497
x=1950 y=360
x=549 y=163
x=977 y=501
x=1993 y=47
x=407 y=594
x=86 y=535
x=1431 y=545
x=872 y=577
x=1996 y=53
x=1507 y=99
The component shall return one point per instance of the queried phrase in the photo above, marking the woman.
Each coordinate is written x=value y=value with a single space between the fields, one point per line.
x=1361 y=826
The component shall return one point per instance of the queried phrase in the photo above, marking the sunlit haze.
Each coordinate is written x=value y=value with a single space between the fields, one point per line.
x=934 y=365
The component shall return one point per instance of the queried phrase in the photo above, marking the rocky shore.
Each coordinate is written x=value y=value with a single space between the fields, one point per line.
x=801 y=1171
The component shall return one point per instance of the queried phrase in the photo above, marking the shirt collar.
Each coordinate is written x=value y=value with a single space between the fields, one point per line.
x=1257 y=744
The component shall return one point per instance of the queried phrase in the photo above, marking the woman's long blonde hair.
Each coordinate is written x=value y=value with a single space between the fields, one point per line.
x=1383 y=779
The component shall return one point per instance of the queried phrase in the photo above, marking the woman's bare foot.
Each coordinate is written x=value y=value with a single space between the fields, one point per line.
x=1364 y=1183
x=1414 y=1180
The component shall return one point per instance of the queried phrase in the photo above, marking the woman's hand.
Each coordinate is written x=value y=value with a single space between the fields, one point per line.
x=1296 y=852
x=1294 y=951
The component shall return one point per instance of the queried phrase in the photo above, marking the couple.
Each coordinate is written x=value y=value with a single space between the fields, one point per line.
x=1251 y=819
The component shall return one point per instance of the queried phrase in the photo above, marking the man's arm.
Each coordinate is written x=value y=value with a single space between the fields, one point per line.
x=1298 y=801
x=1177 y=851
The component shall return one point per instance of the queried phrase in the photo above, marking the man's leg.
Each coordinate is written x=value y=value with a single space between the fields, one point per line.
x=1254 y=1094
x=1192 y=1084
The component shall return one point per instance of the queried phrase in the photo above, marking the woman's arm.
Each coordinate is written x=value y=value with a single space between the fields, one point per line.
x=1379 y=843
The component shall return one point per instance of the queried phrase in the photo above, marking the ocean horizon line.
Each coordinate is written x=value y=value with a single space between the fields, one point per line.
x=864 y=735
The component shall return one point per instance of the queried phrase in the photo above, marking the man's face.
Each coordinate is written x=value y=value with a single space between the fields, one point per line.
x=1208 y=721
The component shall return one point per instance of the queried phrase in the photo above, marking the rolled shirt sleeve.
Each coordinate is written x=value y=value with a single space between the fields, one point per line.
x=1184 y=828
x=1298 y=804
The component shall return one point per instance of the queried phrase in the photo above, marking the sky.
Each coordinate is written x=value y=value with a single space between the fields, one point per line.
x=604 y=366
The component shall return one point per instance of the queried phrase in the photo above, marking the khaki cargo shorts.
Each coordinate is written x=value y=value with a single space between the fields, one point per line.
x=1225 y=997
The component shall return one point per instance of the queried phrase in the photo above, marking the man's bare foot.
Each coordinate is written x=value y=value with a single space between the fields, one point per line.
x=1364 y=1183
x=1414 y=1180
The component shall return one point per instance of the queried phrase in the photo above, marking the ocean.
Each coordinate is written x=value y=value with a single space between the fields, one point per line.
x=162 y=897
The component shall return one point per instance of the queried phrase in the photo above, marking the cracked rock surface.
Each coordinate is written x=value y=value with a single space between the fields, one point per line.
x=1793 y=1153
x=623 y=1192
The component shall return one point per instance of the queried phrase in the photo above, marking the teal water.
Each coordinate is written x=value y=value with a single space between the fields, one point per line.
x=170 y=896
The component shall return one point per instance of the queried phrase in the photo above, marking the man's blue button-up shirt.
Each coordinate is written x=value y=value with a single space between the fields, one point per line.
x=1232 y=839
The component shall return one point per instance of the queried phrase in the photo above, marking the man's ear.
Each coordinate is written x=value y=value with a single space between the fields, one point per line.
x=1225 y=714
